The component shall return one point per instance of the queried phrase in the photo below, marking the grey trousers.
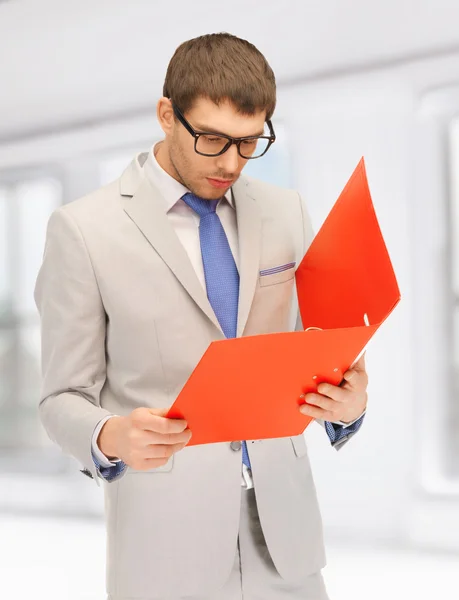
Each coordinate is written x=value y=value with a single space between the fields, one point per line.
x=254 y=576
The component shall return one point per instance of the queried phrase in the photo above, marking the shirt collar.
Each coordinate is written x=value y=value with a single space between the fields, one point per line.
x=171 y=189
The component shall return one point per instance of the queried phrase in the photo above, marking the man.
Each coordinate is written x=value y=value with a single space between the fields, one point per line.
x=137 y=279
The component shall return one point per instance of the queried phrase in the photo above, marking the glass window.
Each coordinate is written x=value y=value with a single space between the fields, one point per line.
x=6 y=381
x=5 y=284
x=35 y=201
x=453 y=416
x=25 y=207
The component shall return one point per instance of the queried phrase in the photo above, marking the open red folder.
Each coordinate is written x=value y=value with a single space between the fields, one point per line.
x=250 y=387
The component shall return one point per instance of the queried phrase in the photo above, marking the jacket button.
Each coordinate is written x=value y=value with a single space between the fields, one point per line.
x=235 y=446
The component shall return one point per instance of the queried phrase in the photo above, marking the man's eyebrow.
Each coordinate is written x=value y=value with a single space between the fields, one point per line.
x=207 y=129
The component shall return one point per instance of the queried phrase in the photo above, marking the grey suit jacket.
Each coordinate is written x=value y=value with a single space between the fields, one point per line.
x=124 y=322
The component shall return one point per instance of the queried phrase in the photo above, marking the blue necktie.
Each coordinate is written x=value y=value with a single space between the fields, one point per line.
x=220 y=271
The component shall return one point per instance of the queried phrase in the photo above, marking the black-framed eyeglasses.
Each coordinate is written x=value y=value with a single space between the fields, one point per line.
x=209 y=143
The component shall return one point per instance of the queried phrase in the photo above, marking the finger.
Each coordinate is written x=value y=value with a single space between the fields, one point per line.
x=153 y=437
x=324 y=402
x=151 y=422
x=338 y=394
x=360 y=364
x=356 y=379
x=352 y=376
x=315 y=412
x=358 y=367
x=162 y=450
x=160 y=412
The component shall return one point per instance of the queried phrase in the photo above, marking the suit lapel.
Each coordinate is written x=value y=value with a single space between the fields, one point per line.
x=249 y=238
x=142 y=203
x=145 y=209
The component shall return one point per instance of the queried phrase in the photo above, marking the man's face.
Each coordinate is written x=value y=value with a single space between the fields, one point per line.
x=198 y=173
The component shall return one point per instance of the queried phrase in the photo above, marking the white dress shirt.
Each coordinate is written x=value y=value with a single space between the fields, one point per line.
x=185 y=222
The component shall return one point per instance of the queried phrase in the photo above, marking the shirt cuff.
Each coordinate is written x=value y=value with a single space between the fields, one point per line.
x=344 y=425
x=336 y=433
x=110 y=473
x=96 y=451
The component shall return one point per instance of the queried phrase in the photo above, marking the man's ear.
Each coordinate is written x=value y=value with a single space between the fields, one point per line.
x=165 y=115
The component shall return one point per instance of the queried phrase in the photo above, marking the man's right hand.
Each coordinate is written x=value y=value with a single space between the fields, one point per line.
x=145 y=439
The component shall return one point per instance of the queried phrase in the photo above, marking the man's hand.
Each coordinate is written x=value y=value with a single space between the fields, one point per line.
x=345 y=402
x=145 y=439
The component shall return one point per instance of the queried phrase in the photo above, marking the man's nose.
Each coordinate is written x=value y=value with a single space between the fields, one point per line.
x=229 y=160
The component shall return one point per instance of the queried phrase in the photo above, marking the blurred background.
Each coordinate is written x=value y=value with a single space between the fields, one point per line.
x=79 y=84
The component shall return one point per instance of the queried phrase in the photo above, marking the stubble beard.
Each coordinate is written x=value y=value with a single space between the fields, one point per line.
x=176 y=151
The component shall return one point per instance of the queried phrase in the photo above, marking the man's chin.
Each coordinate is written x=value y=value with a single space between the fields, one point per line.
x=211 y=193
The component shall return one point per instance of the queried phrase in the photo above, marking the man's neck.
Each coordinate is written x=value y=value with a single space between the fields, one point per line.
x=162 y=158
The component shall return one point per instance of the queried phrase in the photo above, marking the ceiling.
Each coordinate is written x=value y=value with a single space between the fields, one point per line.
x=65 y=63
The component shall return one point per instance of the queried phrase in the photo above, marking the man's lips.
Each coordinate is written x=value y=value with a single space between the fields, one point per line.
x=220 y=183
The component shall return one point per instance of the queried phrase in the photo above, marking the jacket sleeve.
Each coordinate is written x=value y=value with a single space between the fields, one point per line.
x=73 y=324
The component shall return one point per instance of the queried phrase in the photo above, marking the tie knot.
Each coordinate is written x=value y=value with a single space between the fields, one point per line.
x=201 y=206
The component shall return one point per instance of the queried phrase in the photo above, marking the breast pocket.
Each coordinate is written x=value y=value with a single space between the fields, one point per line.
x=277 y=274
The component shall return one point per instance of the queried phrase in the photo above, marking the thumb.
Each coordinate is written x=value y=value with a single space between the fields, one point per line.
x=158 y=412
x=349 y=375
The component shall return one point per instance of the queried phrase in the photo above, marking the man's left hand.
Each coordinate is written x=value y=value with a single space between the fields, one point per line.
x=345 y=402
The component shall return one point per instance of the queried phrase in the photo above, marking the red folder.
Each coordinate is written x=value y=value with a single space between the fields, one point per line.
x=250 y=387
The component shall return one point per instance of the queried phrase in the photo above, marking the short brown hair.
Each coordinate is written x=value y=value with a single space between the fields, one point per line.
x=221 y=66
